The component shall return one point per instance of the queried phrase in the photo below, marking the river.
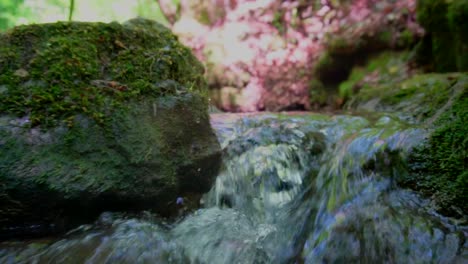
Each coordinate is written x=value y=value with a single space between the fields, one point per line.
x=293 y=188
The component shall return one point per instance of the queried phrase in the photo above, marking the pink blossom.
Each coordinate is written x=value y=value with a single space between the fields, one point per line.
x=267 y=49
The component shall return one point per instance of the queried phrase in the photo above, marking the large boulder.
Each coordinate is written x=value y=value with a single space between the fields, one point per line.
x=97 y=116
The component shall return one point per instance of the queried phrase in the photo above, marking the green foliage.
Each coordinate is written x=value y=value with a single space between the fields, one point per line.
x=56 y=71
x=346 y=88
x=318 y=95
x=458 y=21
x=15 y=12
x=446 y=25
x=431 y=14
x=10 y=10
x=458 y=16
x=345 y=51
x=406 y=38
x=278 y=22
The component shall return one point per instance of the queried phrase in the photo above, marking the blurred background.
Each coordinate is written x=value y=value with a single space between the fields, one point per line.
x=276 y=55
x=15 y=12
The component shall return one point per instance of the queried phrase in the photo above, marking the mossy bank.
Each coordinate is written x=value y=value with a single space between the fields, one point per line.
x=97 y=116
x=439 y=103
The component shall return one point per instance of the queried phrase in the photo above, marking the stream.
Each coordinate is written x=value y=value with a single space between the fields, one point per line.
x=293 y=188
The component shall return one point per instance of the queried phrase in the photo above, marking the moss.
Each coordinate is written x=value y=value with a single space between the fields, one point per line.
x=431 y=14
x=344 y=51
x=431 y=89
x=406 y=39
x=346 y=87
x=387 y=62
x=417 y=98
x=389 y=66
x=438 y=102
x=147 y=161
x=97 y=116
x=380 y=69
x=56 y=71
x=458 y=22
x=324 y=61
x=317 y=94
x=445 y=23
x=440 y=167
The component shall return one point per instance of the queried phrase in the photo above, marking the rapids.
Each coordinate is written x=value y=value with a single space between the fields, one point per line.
x=294 y=188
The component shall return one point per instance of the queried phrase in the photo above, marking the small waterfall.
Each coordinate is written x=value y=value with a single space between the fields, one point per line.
x=302 y=188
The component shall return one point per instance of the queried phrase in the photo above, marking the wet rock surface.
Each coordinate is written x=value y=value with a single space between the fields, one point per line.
x=97 y=117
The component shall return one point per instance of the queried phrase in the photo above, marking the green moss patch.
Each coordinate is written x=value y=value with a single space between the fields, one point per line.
x=56 y=71
x=416 y=99
x=385 y=68
x=439 y=168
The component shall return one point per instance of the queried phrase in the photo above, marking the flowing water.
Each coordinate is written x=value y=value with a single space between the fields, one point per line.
x=296 y=188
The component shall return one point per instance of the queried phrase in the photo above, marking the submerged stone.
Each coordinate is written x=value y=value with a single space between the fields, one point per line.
x=97 y=116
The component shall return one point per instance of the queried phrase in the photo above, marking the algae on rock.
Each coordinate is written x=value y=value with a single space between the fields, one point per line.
x=440 y=167
x=90 y=68
x=97 y=116
x=437 y=102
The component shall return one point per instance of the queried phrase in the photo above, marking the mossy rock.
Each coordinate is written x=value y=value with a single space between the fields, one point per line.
x=383 y=68
x=416 y=99
x=344 y=52
x=97 y=116
x=439 y=168
x=90 y=68
x=439 y=102
x=387 y=65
